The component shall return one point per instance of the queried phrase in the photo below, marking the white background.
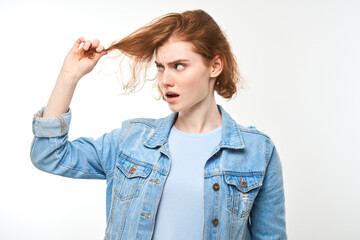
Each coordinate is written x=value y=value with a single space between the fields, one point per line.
x=300 y=60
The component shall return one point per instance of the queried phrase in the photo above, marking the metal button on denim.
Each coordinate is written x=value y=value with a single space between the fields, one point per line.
x=132 y=170
x=243 y=184
x=216 y=186
x=215 y=222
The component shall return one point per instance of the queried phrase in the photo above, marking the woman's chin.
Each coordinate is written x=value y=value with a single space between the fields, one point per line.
x=175 y=107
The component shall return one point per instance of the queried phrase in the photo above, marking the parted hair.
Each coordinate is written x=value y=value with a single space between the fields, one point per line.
x=196 y=27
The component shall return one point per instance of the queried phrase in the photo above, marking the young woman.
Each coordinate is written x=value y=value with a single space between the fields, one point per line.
x=194 y=174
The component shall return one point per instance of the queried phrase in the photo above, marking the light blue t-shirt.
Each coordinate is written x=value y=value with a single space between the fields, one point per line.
x=181 y=209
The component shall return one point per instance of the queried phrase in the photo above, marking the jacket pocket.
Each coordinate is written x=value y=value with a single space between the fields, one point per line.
x=130 y=176
x=242 y=189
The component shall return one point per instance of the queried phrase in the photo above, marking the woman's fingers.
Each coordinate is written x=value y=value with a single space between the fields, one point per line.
x=95 y=43
x=87 y=45
x=78 y=43
x=100 y=48
x=99 y=55
x=97 y=50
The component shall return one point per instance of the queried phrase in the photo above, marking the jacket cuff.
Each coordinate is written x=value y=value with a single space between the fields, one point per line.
x=51 y=126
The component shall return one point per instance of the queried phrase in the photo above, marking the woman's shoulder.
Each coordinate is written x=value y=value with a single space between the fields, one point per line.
x=145 y=122
x=143 y=126
x=254 y=138
x=251 y=130
x=246 y=132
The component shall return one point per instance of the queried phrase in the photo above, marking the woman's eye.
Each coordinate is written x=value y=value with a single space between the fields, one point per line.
x=179 y=66
x=159 y=67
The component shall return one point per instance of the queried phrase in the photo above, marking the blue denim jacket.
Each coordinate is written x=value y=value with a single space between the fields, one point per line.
x=243 y=185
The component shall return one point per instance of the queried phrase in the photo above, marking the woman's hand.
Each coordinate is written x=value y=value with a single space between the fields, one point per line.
x=78 y=62
x=81 y=61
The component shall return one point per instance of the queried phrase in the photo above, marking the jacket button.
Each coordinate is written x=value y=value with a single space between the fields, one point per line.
x=132 y=170
x=217 y=153
x=216 y=186
x=243 y=184
x=215 y=222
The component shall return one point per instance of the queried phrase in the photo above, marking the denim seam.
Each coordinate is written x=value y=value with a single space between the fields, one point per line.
x=252 y=131
x=134 y=191
x=34 y=122
x=110 y=175
x=240 y=135
x=61 y=126
x=122 y=224
x=249 y=187
x=134 y=121
x=237 y=211
x=244 y=174
x=267 y=156
x=68 y=167
x=123 y=169
x=239 y=174
x=153 y=167
x=271 y=152
x=142 y=206
x=155 y=131
x=75 y=169
x=237 y=202
x=131 y=159
x=64 y=125
x=232 y=226
x=122 y=136
x=111 y=215
x=34 y=128
x=57 y=149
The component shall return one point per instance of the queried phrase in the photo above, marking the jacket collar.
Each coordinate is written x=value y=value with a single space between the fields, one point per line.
x=231 y=135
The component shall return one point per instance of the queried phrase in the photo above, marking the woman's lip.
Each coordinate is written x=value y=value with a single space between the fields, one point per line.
x=170 y=92
x=172 y=99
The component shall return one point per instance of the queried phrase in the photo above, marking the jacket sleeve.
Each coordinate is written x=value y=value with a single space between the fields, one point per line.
x=267 y=217
x=52 y=152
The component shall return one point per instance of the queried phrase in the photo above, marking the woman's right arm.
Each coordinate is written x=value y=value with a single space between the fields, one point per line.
x=51 y=151
x=74 y=68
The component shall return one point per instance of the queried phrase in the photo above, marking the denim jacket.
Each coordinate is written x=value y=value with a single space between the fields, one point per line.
x=243 y=185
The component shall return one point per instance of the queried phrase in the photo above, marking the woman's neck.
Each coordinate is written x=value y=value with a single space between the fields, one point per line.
x=199 y=119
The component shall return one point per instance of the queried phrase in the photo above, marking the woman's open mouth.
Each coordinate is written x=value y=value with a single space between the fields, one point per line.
x=171 y=97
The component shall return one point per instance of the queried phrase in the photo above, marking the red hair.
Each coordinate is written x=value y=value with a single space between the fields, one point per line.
x=196 y=27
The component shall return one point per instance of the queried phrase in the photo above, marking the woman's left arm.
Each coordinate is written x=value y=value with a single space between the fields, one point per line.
x=268 y=213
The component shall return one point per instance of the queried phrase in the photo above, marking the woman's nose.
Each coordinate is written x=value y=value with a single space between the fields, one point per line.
x=166 y=79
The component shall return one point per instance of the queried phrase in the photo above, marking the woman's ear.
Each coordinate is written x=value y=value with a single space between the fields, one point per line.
x=217 y=65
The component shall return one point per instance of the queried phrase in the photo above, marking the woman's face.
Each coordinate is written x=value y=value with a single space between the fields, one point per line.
x=183 y=77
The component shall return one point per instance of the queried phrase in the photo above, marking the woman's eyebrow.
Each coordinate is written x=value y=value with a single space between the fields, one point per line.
x=173 y=62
